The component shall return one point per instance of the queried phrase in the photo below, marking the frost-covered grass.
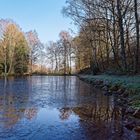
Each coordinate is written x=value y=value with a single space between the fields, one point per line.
x=129 y=82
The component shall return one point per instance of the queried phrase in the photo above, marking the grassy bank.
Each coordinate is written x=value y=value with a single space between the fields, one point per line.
x=130 y=84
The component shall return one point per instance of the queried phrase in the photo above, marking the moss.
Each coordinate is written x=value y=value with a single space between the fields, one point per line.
x=135 y=100
x=136 y=104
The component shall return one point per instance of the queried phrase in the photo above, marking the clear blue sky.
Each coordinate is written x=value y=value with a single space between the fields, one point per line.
x=42 y=15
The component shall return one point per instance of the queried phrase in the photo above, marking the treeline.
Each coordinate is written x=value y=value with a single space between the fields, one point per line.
x=108 y=41
x=60 y=54
x=19 y=51
x=108 y=38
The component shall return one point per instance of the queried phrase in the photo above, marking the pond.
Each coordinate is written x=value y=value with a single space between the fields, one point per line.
x=57 y=108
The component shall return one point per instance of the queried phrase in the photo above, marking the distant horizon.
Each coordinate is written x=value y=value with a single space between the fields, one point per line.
x=48 y=20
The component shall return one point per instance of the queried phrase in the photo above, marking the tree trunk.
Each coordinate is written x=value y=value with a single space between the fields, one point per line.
x=121 y=30
x=114 y=40
x=138 y=37
x=5 y=64
x=107 y=38
x=65 y=59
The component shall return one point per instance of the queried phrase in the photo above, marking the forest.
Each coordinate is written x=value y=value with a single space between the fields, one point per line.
x=107 y=41
x=108 y=38
x=19 y=50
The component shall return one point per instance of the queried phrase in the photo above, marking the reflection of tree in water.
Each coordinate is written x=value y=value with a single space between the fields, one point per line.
x=97 y=115
x=61 y=89
x=101 y=113
x=95 y=110
x=31 y=113
x=13 y=101
x=100 y=120
x=106 y=120
x=65 y=113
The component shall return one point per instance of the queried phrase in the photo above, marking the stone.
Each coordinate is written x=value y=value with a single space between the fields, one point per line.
x=118 y=100
x=105 y=88
x=136 y=114
x=137 y=129
x=130 y=125
x=106 y=83
x=121 y=91
x=100 y=86
x=124 y=101
x=99 y=82
x=108 y=93
x=114 y=88
x=125 y=95
x=130 y=110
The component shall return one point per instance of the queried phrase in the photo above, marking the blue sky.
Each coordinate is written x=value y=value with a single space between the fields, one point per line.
x=42 y=15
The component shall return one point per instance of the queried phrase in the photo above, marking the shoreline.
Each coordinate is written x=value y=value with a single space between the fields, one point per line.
x=123 y=86
x=125 y=98
x=26 y=75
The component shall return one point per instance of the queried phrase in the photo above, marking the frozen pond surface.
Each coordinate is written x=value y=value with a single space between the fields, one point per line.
x=57 y=108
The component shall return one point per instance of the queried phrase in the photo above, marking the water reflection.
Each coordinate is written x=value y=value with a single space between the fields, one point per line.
x=56 y=108
x=13 y=100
